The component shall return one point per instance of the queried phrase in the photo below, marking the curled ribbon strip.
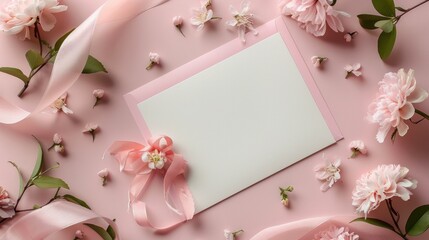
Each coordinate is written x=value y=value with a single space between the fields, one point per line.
x=46 y=221
x=74 y=52
x=146 y=161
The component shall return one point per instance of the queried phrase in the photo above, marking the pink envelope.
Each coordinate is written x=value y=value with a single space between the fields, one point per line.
x=224 y=114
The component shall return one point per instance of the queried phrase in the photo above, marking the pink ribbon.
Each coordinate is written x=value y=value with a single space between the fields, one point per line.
x=55 y=217
x=146 y=161
x=73 y=54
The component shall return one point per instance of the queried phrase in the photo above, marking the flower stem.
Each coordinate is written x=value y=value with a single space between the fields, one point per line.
x=410 y=9
x=55 y=197
x=393 y=212
x=422 y=113
x=37 y=34
x=47 y=58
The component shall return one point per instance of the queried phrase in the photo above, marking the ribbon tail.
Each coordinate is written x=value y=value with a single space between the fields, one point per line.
x=177 y=195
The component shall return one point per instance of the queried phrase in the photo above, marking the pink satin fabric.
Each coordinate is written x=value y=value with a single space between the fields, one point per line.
x=176 y=192
x=73 y=54
x=51 y=219
x=306 y=229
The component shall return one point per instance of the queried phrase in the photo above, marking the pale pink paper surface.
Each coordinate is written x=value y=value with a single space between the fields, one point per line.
x=256 y=208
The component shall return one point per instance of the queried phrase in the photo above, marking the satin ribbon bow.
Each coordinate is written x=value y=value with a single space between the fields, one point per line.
x=146 y=161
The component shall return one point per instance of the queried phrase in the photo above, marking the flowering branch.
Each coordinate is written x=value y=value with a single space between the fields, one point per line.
x=387 y=23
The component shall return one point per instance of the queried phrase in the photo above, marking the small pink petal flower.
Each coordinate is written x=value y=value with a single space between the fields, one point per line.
x=229 y=235
x=242 y=20
x=57 y=144
x=328 y=173
x=98 y=94
x=178 y=22
x=382 y=183
x=349 y=36
x=78 y=235
x=60 y=105
x=353 y=70
x=91 y=128
x=154 y=58
x=313 y=15
x=394 y=103
x=357 y=147
x=201 y=16
x=317 y=61
x=6 y=205
x=284 y=195
x=336 y=233
x=104 y=174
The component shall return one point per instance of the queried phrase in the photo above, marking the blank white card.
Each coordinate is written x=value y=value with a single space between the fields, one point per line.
x=240 y=120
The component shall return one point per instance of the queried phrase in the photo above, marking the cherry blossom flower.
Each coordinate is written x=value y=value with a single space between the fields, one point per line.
x=317 y=61
x=104 y=174
x=313 y=15
x=336 y=233
x=6 y=205
x=19 y=15
x=328 y=173
x=353 y=70
x=284 y=195
x=357 y=147
x=57 y=144
x=229 y=235
x=349 y=36
x=201 y=16
x=394 y=103
x=98 y=94
x=178 y=22
x=154 y=58
x=60 y=105
x=382 y=183
x=91 y=128
x=78 y=235
x=155 y=159
x=242 y=20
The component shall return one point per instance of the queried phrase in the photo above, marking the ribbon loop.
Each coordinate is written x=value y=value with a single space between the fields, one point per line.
x=145 y=161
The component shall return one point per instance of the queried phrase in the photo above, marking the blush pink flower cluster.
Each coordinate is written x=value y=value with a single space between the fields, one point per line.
x=380 y=184
x=336 y=233
x=6 y=205
x=394 y=103
x=17 y=16
x=313 y=15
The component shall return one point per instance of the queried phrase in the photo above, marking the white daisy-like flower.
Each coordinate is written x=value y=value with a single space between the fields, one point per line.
x=154 y=159
x=242 y=20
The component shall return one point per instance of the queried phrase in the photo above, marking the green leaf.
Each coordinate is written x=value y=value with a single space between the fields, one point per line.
x=93 y=65
x=385 y=25
x=111 y=232
x=61 y=40
x=375 y=222
x=401 y=9
x=76 y=200
x=386 y=42
x=385 y=7
x=50 y=182
x=34 y=59
x=368 y=21
x=21 y=179
x=39 y=160
x=100 y=231
x=16 y=73
x=418 y=222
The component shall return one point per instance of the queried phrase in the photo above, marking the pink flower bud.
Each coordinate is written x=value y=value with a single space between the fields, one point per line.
x=177 y=21
x=103 y=173
x=57 y=138
x=79 y=234
x=98 y=93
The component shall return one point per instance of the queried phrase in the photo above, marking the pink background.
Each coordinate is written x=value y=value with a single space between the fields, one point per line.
x=256 y=208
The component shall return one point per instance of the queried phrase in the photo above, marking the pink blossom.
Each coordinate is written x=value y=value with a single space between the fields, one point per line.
x=394 y=103
x=336 y=233
x=382 y=183
x=98 y=94
x=317 y=61
x=104 y=174
x=57 y=144
x=201 y=16
x=91 y=128
x=177 y=21
x=313 y=15
x=60 y=105
x=79 y=235
x=242 y=20
x=230 y=235
x=57 y=138
x=6 y=205
x=349 y=36
x=357 y=147
x=154 y=58
x=353 y=70
x=19 y=15
x=328 y=173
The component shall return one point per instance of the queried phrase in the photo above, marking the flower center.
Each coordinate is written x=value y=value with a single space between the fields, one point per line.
x=155 y=159
x=59 y=103
x=243 y=19
x=332 y=169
